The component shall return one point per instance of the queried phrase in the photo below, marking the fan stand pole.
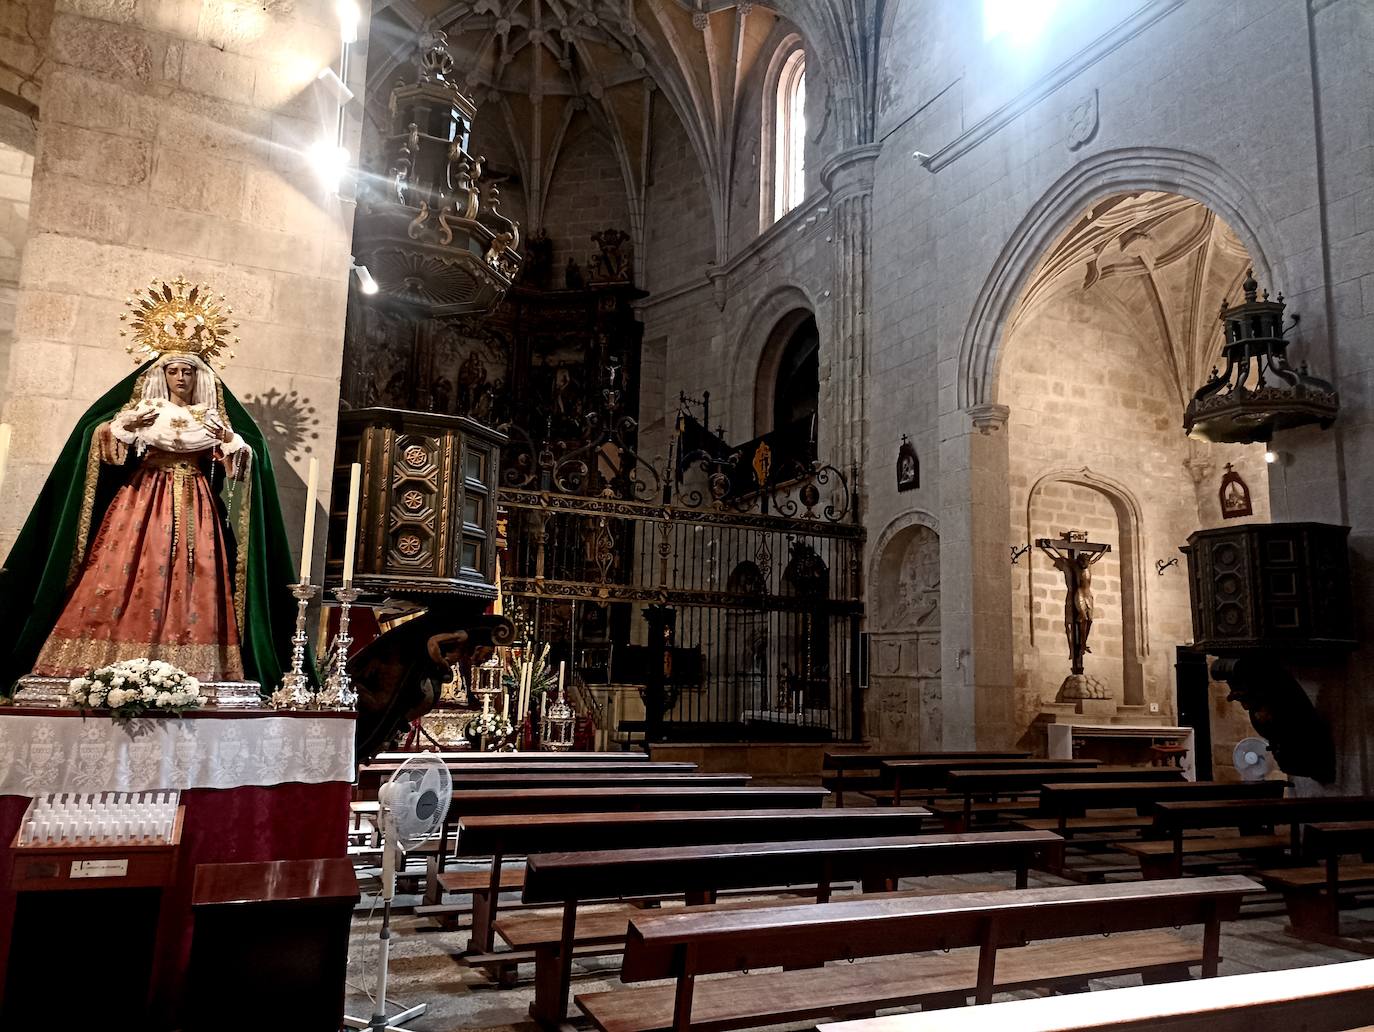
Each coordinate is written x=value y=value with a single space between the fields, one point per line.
x=379 y=1022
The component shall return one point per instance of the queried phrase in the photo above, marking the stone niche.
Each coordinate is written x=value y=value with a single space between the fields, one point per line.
x=903 y=703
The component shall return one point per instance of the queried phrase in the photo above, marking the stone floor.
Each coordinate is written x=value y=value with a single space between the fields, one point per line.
x=427 y=965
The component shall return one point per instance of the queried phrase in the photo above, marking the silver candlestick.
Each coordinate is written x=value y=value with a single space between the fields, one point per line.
x=294 y=692
x=338 y=690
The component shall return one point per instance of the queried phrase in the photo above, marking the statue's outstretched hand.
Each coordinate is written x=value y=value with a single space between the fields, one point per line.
x=113 y=452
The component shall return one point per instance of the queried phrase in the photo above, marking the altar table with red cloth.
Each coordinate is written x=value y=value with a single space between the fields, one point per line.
x=256 y=785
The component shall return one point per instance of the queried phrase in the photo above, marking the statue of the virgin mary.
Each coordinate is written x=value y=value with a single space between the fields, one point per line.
x=158 y=534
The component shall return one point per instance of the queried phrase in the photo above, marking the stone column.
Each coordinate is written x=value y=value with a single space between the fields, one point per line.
x=975 y=580
x=848 y=178
x=172 y=139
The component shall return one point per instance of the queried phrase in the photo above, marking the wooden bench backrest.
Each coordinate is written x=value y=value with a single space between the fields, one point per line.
x=1235 y=813
x=612 y=874
x=1332 y=839
x=475 y=802
x=669 y=945
x=871 y=760
x=468 y=756
x=1060 y=798
x=575 y=778
x=959 y=781
x=540 y=833
x=1329 y=997
x=517 y=766
x=932 y=773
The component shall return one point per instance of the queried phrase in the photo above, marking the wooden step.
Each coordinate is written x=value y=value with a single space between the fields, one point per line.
x=749 y=1000
x=1313 y=879
x=479 y=881
x=1120 y=822
x=1210 y=844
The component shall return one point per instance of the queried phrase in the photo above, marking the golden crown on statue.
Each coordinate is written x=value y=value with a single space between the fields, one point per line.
x=169 y=319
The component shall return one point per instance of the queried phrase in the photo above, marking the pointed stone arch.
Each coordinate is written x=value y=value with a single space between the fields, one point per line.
x=1089 y=181
x=1135 y=619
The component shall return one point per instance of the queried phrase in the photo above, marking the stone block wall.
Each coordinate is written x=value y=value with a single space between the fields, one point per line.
x=16 y=174
x=678 y=233
x=586 y=196
x=172 y=141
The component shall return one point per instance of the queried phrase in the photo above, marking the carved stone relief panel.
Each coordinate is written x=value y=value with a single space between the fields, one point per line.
x=905 y=690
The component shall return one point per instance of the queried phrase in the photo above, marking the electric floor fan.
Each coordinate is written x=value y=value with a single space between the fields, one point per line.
x=411 y=807
x=1252 y=758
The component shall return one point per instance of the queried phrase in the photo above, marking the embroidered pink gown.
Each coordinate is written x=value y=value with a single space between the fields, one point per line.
x=157 y=579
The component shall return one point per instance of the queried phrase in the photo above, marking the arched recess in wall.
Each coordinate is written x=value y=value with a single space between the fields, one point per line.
x=1135 y=620
x=904 y=695
x=787 y=60
x=758 y=353
x=1089 y=181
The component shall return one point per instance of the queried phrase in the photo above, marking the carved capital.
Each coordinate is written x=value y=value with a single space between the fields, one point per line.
x=719 y=284
x=1199 y=468
x=850 y=171
x=988 y=418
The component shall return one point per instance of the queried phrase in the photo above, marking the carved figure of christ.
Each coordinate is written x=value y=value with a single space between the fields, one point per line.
x=1074 y=556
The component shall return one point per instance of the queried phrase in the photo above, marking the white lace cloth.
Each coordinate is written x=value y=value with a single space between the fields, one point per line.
x=66 y=753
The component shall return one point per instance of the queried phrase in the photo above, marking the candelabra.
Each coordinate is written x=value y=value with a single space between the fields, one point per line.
x=338 y=690
x=294 y=692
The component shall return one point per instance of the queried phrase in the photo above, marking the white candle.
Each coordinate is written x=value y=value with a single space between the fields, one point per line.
x=5 y=430
x=312 y=485
x=562 y=668
x=351 y=540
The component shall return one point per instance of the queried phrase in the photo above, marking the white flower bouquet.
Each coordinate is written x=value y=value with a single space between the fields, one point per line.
x=135 y=688
x=488 y=725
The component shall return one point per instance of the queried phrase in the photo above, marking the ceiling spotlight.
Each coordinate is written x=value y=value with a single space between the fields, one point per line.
x=1271 y=457
x=350 y=14
x=366 y=283
x=330 y=161
x=330 y=78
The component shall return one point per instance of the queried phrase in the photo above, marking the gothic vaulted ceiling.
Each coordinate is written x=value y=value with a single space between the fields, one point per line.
x=537 y=64
x=1163 y=262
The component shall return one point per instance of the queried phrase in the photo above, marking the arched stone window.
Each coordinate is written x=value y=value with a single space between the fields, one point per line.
x=789 y=175
x=787 y=388
x=796 y=392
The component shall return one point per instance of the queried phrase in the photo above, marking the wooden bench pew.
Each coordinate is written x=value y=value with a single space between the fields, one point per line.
x=995 y=927
x=700 y=872
x=1255 y=820
x=1000 y=789
x=629 y=778
x=1093 y=817
x=1062 y=803
x=372 y=775
x=1312 y=895
x=466 y=755
x=514 y=801
x=862 y=771
x=499 y=837
x=926 y=777
x=1329 y=998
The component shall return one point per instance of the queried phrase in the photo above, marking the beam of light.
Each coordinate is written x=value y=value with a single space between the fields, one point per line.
x=330 y=162
x=1021 y=21
x=366 y=283
x=350 y=14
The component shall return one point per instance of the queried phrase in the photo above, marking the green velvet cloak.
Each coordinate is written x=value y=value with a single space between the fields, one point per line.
x=42 y=564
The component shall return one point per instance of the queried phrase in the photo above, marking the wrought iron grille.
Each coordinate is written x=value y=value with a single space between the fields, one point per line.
x=733 y=625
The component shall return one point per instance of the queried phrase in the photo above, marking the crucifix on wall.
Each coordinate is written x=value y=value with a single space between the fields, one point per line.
x=1074 y=556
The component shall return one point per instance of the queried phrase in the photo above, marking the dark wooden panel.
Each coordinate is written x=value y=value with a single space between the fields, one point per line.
x=540 y=833
x=611 y=874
